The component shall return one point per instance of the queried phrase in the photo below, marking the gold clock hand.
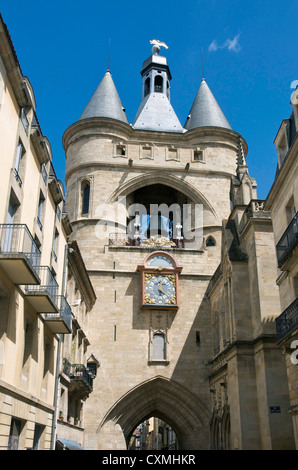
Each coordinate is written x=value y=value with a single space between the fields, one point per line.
x=160 y=290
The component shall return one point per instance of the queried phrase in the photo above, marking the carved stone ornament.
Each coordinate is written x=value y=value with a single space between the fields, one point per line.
x=158 y=242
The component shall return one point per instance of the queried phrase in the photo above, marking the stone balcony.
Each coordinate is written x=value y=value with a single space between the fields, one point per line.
x=19 y=254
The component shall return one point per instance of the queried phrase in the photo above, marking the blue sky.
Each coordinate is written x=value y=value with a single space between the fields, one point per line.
x=249 y=50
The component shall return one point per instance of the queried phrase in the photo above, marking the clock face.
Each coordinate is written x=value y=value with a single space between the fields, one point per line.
x=160 y=261
x=160 y=289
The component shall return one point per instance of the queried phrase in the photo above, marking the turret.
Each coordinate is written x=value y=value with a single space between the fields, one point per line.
x=205 y=111
x=105 y=102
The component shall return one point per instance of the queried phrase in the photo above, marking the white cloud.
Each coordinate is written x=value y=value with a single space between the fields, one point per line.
x=230 y=44
x=213 y=46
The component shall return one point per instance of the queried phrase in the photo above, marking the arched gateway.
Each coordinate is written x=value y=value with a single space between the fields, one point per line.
x=180 y=325
x=165 y=399
x=151 y=326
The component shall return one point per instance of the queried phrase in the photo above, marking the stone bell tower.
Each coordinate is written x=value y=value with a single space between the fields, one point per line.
x=151 y=325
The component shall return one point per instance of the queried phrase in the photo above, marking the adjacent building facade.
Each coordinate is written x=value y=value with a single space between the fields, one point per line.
x=36 y=271
x=282 y=202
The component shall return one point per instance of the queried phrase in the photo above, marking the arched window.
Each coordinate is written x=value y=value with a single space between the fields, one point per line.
x=147 y=87
x=159 y=347
x=158 y=84
x=210 y=241
x=85 y=191
x=168 y=90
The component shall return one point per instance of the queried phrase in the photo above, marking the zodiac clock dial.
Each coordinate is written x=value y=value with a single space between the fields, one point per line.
x=160 y=289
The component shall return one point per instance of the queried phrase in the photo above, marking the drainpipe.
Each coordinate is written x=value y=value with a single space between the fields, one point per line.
x=54 y=424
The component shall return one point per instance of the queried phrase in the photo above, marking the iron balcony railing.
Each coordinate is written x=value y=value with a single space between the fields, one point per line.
x=17 y=239
x=288 y=241
x=47 y=283
x=287 y=321
x=64 y=314
x=78 y=372
x=17 y=177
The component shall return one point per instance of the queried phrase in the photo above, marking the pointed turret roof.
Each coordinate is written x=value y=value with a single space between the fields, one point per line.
x=205 y=110
x=105 y=102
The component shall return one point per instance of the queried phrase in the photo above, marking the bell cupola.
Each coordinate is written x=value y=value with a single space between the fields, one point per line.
x=156 y=112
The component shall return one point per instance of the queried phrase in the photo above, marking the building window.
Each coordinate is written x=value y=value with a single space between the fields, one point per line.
x=120 y=150
x=85 y=197
x=14 y=434
x=40 y=211
x=168 y=90
x=282 y=147
x=44 y=173
x=210 y=241
x=24 y=119
x=159 y=347
x=198 y=156
x=290 y=210
x=48 y=356
x=147 y=87
x=55 y=245
x=12 y=209
x=19 y=156
x=28 y=342
x=37 y=435
x=92 y=367
x=158 y=84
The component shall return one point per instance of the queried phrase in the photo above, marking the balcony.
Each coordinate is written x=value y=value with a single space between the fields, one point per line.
x=60 y=322
x=287 y=322
x=54 y=185
x=81 y=381
x=288 y=242
x=19 y=254
x=43 y=297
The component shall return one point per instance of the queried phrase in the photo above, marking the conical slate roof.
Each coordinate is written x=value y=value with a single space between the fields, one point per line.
x=157 y=114
x=105 y=102
x=205 y=110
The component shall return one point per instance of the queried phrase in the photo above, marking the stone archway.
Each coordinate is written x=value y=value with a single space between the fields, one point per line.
x=165 y=399
x=164 y=178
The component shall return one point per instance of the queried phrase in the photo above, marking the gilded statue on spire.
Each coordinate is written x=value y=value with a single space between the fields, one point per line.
x=157 y=45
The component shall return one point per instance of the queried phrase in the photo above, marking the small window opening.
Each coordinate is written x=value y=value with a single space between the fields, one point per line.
x=159 y=346
x=85 y=197
x=158 y=84
x=198 y=156
x=120 y=150
x=210 y=241
x=147 y=87
x=168 y=89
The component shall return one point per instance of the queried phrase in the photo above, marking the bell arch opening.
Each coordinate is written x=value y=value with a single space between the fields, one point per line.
x=166 y=400
x=159 y=211
x=161 y=205
x=186 y=211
